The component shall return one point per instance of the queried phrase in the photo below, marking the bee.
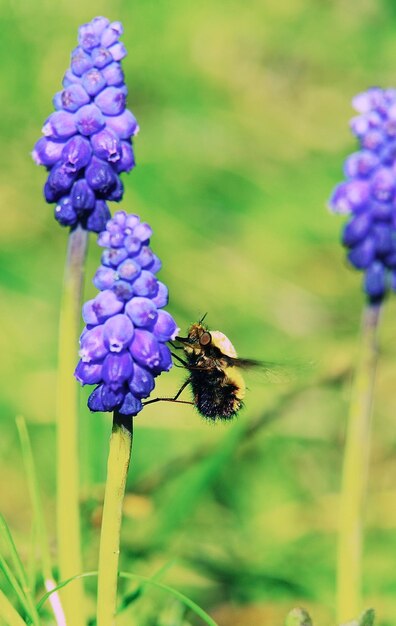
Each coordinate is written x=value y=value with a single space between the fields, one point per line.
x=214 y=373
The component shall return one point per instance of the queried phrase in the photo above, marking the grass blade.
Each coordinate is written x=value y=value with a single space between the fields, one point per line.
x=39 y=517
x=20 y=575
x=190 y=604
x=7 y=613
x=12 y=580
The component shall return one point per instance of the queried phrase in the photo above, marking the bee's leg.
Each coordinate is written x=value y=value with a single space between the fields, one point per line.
x=180 y=360
x=182 y=388
x=174 y=399
x=176 y=347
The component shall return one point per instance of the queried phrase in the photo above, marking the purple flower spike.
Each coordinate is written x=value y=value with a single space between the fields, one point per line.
x=87 y=140
x=123 y=346
x=368 y=194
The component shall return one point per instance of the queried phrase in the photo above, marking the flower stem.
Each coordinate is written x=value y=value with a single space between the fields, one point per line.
x=117 y=471
x=355 y=471
x=68 y=519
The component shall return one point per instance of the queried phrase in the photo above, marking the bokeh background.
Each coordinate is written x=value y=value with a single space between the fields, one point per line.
x=244 y=110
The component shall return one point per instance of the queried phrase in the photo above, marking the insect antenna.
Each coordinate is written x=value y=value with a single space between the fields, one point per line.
x=202 y=318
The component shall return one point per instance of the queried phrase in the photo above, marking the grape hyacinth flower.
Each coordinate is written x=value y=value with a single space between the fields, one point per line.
x=87 y=140
x=369 y=193
x=123 y=346
x=368 y=196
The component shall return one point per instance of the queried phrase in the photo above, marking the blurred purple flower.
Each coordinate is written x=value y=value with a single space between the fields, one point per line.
x=87 y=141
x=368 y=195
x=123 y=346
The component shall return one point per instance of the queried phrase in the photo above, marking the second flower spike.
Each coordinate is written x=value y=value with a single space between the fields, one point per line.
x=369 y=193
x=123 y=346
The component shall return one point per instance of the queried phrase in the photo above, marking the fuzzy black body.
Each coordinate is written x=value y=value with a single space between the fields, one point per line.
x=215 y=395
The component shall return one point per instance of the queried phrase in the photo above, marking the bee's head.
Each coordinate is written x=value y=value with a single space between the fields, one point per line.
x=198 y=338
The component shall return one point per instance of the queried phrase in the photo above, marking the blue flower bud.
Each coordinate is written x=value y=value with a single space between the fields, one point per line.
x=88 y=373
x=383 y=184
x=356 y=229
x=118 y=332
x=127 y=160
x=89 y=119
x=96 y=220
x=92 y=345
x=123 y=289
x=60 y=125
x=47 y=152
x=107 y=146
x=95 y=399
x=118 y=51
x=362 y=255
x=165 y=327
x=375 y=281
x=93 y=81
x=82 y=196
x=113 y=74
x=104 y=278
x=101 y=57
x=382 y=239
x=59 y=182
x=142 y=382
x=76 y=154
x=145 y=349
x=142 y=312
x=162 y=297
x=73 y=97
x=65 y=213
x=87 y=37
x=111 y=101
x=80 y=62
x=116 y=369
x=111 y=34
x=129 y=270
x=125 y=125
x=113 y=257
x=100 y=176
x=88 y=313
x=111 y=398
x=123 y=347
x=146 y=285
x=131 y=405
x=90 y=113
x=106 y=304
x=132 y=245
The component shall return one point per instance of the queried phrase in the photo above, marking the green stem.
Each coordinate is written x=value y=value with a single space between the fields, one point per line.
x=68 y=518
x=117 y=471
x=355 y=472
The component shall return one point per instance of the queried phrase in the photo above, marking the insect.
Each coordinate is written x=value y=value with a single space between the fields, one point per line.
x=214 y=370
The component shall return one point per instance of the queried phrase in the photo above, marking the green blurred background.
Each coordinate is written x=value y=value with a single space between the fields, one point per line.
x=243 y=110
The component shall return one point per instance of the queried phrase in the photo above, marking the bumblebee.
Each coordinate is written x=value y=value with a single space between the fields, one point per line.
x=214 y=370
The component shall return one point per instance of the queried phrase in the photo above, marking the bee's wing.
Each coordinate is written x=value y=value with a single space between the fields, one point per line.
x=275 y=372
